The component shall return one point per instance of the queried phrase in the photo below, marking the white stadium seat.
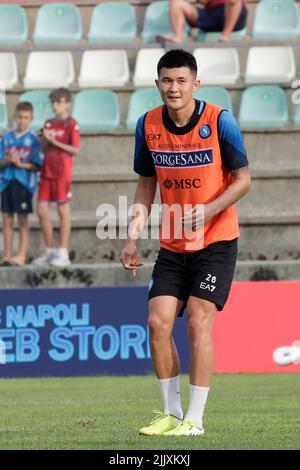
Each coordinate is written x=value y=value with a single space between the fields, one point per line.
x=8 y=70
x=145 y=67
x=217 y=66
x=49 y=70
x=105 y=68
x=270 y=65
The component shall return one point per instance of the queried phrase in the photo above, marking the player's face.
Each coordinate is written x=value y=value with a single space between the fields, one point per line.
x=176 y=86
x=61 y=107
x=23 y=120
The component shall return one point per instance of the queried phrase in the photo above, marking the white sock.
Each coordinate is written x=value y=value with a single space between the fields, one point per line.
x=50 y=250
x=198 y=397
x=170 y=391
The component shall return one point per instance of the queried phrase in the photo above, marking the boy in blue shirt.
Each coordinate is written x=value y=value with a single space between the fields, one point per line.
x=20 y=159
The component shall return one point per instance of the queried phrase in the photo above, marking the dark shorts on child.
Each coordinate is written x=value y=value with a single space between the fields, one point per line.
x=212 y=19
x=15 y=199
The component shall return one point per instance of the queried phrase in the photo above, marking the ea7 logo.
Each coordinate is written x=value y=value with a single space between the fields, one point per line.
x=153 y=136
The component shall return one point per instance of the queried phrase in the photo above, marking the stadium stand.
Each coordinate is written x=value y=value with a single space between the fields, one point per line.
x=13 y=25
x=270 y=65
x=276 y=19
x=263 y=106
x=104 y=68
x=217 y=95
x=140 y=102
x=49 y=70
x=58 y=23
x=217 y=66
x=103 y=170
x=145 y=71
x=96 y=110
x=8 y=70
x=156 y=21
x=113 y=22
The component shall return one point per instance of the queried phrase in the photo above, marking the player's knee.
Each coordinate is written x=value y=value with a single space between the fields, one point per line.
x=7 y=219
x=158 y=326
x=199 y=330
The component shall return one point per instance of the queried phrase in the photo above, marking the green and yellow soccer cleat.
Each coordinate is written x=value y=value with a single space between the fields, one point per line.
x=185 y=428
x=160 y=424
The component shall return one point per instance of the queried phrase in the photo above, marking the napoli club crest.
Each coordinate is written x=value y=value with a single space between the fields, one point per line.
x=205 y=131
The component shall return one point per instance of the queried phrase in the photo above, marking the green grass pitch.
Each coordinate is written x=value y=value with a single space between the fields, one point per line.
x=243 y=412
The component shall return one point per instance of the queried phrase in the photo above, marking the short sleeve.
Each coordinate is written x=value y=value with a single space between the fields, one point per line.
x=233 y=151
x=75 y=136
x=143 y=163
x=36 y=155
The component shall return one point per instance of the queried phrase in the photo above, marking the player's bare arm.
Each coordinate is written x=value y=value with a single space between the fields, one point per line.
x=144 y=197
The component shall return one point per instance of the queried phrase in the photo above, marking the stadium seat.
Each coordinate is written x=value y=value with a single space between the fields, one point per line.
x=113 y=22
x=96 y=110
x=49 y=70
x=3 y=113
x=140 y=102
x=104 y=68
x=270 y=65
x=13 y=25
x=276 y=19
x=8 y=70
x=296 y=115
x=157 y=21
x=217 y=66
x=215 y=95
x=214 y=36
x=146 y=66
x=263 y=106
x=41 y=107
x=57 y=23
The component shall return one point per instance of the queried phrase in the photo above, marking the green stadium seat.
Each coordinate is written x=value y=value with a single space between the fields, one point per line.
x=3 y=114
x=42 y=109
x=296 y=114
x=157 y=21
x=142 y=101
x=96 y=110
x=276 y=19
x=113 y=22
x=263 y=106
x=13 y=25
x=215 y=95
x=57 y=23
x=214 y=36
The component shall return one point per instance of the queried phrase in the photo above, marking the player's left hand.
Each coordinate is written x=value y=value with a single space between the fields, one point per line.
x=197 y=217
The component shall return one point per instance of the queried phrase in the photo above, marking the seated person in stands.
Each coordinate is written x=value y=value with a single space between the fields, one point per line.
x=223 y=16
x=60 y=142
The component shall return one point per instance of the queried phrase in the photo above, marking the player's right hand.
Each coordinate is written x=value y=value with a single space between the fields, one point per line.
x=130 y=258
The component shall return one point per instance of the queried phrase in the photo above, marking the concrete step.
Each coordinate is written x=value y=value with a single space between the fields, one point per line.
x=109 y=274
x=264 y=236
x=266 y=194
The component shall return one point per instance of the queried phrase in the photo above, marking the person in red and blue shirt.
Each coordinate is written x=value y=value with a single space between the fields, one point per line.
x=20 y=159
x=224 y=16
x=61 y=142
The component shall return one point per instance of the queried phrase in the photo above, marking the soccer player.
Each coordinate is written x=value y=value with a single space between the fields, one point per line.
x=195 y=151
x=20 y=159
x=223 y=16
x=60 y=141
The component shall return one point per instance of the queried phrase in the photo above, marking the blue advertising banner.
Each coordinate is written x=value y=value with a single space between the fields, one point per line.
x=78 y=331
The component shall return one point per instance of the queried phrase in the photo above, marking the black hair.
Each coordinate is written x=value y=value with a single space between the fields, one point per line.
x=177 y=58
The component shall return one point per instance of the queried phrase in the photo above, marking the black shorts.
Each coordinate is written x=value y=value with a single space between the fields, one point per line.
x=206 y=274
x=15 y=199
x=212 y=19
